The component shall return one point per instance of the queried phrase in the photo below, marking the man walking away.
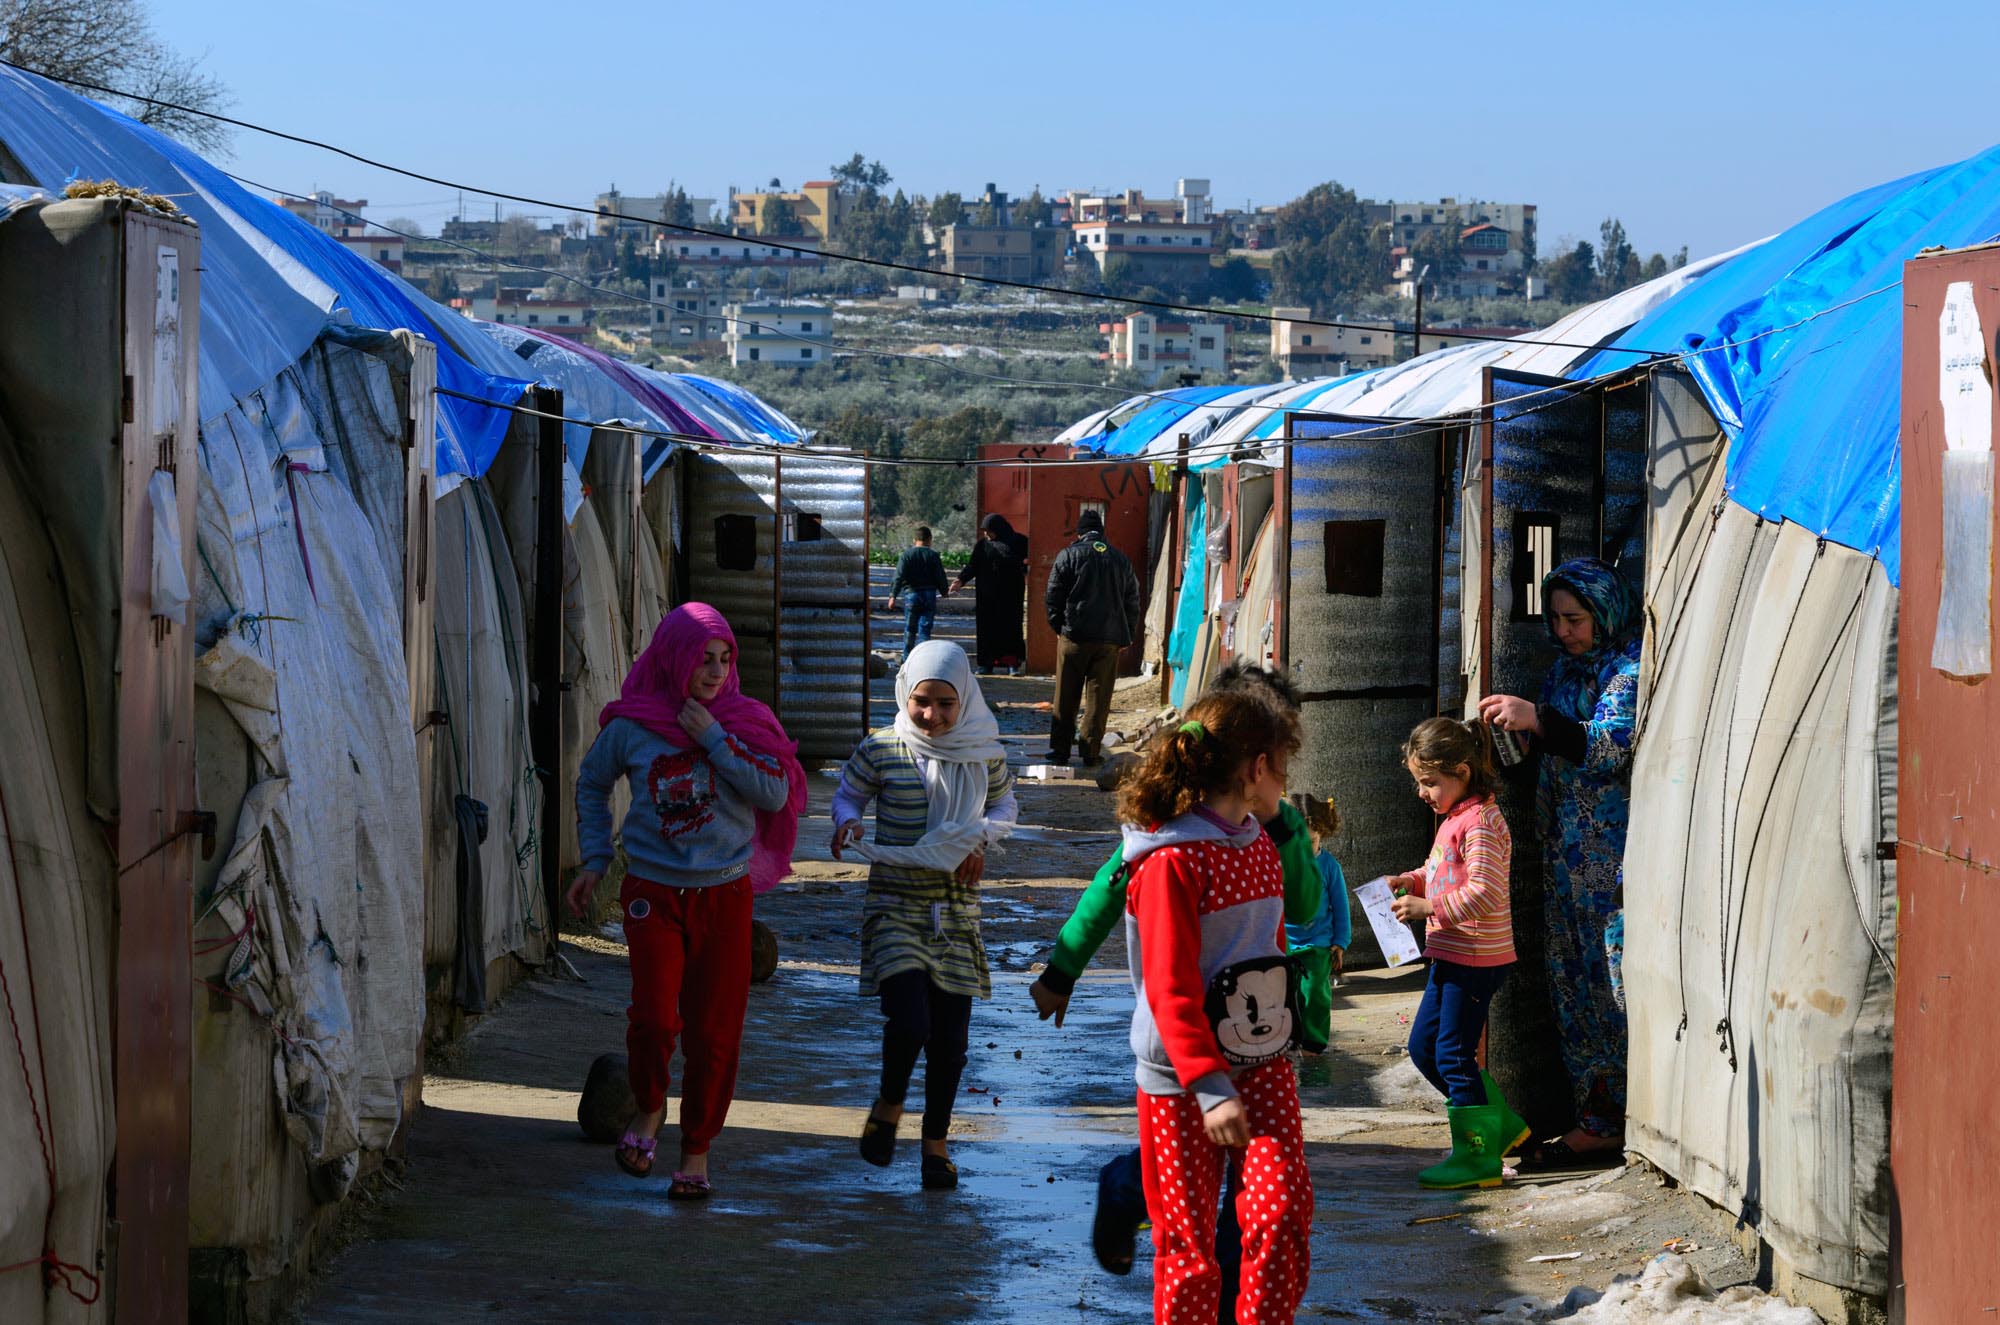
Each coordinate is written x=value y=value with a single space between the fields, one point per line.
x=1093 y=604
x=920 y=579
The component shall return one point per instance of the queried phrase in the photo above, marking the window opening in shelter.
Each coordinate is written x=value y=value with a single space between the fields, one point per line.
x=803 y=527
x=735 y=542
x=1353 y=550
x=1535 y=535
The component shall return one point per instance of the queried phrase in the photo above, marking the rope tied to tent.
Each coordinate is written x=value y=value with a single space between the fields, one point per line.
x=59 y=1273
x=56 y=1271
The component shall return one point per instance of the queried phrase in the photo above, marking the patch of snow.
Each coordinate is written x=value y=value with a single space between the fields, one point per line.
x=1669 y=1291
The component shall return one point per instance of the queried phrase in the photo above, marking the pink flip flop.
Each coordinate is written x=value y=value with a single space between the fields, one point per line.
x=689 y=1187
x=635 y=1154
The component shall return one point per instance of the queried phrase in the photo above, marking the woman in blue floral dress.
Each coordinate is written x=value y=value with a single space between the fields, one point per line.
x=1584 y=726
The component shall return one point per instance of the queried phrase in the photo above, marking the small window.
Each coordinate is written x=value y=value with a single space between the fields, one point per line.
x=806 y=353
x=806 y=325
x=534 y=317
x=1535 y=541
x=1208 y=342
x=684 y=330
x=735 y=542
x=562 y=318
x=1306 y=339
x=1367 y=340
x=1354 y=557
x=755 y=354
x=803 y=527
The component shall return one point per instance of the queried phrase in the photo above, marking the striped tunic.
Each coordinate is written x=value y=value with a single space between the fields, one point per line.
x=915 y=919
x=1465 y=880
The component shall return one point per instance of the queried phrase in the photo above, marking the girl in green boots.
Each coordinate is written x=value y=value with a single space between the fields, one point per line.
x=1461 y=893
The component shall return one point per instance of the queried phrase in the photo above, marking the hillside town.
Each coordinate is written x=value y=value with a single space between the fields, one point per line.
x=851 y=752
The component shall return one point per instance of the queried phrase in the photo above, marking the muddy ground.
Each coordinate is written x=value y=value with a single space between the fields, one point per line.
x=506 y=1214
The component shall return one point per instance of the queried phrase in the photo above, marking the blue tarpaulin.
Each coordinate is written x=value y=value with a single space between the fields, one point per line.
x=1133 y=436
x=1805 y=369
x=1192 y=609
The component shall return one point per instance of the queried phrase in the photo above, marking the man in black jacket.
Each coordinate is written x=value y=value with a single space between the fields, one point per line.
x=1093 y=604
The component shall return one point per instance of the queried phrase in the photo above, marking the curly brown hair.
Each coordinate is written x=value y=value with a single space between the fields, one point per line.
x=1440 y=745
x=1322 y=816
x=1192 y=764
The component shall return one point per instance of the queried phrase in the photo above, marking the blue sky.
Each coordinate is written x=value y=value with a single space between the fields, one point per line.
x=1697 y=123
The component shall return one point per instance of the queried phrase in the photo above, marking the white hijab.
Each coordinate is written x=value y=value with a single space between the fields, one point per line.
x=953 y=764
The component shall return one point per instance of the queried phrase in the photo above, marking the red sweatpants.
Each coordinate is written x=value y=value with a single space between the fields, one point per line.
x=1182 y=1170
x=690 y=951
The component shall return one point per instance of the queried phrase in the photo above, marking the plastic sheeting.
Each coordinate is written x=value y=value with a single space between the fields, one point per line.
x=1191 y=611
x=1759 y=918
x=765 y=420
x=1807 y=367
x=1162 y=412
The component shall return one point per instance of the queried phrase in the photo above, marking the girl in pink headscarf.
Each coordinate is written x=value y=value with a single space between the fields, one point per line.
x=716 y=794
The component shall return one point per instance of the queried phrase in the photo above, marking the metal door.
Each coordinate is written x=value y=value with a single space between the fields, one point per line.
x=822 y=653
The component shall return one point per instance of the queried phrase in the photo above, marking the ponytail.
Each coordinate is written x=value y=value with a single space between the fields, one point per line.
x=1206 y=754
x=1440 y=745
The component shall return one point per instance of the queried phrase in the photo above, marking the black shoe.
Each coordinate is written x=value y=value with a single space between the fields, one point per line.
x=878 y=1142
x=940 y=1174
x=1055 y=758
x=1114 y=1234
x=1093 y=761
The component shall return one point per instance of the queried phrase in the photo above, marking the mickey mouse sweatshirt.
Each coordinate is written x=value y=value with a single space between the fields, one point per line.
x=1205 y=895
x=694 y=812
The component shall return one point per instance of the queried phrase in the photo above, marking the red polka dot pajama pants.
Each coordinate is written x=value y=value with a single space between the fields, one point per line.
x=1182 y=1170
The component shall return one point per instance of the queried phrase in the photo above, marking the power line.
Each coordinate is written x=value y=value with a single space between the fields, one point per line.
x=771 y=241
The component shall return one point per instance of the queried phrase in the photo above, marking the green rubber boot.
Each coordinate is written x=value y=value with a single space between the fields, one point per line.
x=1475 y=1151
x=1514 y=1129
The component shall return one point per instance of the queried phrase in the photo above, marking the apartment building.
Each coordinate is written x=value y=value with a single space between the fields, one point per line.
x=817 y=205
x=326 y=213
x=717 y=251
x=1303 y=349
x=686 y=316
x=614 y=208
x=790 y=334
x=1157 y=347
x=1494 y=239
x=1190 y=205
x=1160 y=252
x=1019 y=253
x=516 y=307
x=1491 y=263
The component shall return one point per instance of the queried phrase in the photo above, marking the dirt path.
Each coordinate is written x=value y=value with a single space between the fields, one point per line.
x=506 y=1214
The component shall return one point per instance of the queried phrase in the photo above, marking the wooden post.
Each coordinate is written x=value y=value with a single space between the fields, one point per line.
x=546 y=649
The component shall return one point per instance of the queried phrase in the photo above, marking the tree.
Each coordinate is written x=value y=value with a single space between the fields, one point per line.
x=1437 y=249
x=932 y=490
x=1616 y=262
x=984 y=214
x=1033 y=211
x=679 y=209
x=945 y=210
x=518 y=234
x=1235 y=281
x=1328 y=253
x=780 y=219
x=856 y=175
x=1656 y=266
x=112 y=42
x=406 y=226
x=1573 y=275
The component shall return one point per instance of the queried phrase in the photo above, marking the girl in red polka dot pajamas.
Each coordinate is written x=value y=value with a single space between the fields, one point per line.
x=1216 y=1009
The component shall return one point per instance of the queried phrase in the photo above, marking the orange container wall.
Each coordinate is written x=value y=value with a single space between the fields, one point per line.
x=1043 y=502
x=1944 y=1149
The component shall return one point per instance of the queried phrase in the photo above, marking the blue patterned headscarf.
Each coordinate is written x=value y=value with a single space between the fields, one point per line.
x=1576 y=680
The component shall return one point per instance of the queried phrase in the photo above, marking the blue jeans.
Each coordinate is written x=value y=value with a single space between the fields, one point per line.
x=919 y=612
x=1119 y=1184
x=1444 y=1038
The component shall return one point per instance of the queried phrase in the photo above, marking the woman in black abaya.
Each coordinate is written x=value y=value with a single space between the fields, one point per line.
x=999 y=566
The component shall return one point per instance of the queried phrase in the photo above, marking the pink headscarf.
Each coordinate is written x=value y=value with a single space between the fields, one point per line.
x=657 y=687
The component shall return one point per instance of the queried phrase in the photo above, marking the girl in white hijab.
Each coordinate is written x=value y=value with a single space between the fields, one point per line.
x=943 y=795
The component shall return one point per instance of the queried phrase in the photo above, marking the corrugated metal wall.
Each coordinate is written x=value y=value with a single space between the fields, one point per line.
x=823 y=596
x=1545 y=450
x=732 y=556
x=1363 y=625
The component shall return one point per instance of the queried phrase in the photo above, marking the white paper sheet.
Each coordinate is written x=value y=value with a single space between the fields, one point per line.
x=1398 y=944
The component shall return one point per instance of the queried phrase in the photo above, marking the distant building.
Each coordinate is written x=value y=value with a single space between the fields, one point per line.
x=716 y=251
x=516 y=307
x=1494 y=239
x=1253 y=228
x=1156 y=347
x=615 y=211
x=1491 y=264
x=1019 y=253
x=1161 y=252
x=381 y=248
x=687 y=317
x=461 y=231
x=818 y=206
x=326 y=213
x=1190 y=205
x=1303 y=349
x=790 y=334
